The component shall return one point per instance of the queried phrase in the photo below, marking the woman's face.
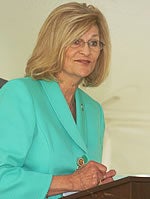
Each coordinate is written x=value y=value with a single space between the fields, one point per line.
x=81 y=57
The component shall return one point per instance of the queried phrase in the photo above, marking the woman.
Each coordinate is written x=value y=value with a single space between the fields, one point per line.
x=51 y=131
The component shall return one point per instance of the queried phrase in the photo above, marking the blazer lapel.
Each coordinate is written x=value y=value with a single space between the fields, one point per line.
x=81 y=117
x=60 y=106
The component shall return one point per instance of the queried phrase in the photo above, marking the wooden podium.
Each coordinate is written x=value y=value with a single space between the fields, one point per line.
x=125 y=188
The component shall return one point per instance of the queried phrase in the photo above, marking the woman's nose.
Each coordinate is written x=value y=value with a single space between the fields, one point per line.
x=85 y=49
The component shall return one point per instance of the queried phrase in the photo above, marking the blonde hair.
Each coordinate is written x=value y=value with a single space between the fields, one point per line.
x=64 y=24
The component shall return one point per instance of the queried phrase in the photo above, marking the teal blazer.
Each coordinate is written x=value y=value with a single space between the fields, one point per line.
x=39 y=137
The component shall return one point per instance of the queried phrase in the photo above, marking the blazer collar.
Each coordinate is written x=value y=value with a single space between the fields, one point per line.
x=60 y=106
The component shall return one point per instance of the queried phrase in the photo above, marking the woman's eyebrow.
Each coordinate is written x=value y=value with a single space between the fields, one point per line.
x=95 y=35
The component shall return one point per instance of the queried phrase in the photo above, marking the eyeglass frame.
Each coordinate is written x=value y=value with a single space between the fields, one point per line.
x=82 y=43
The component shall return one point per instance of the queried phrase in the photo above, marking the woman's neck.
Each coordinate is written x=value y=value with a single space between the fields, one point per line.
x=68 y=89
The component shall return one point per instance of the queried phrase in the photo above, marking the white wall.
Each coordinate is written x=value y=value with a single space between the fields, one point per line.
x=129 y=24
x=127 y=88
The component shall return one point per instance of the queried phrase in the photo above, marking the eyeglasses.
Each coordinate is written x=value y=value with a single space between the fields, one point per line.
x=93 y=44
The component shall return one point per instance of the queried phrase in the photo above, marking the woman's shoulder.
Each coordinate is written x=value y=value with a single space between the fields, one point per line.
x=19 y=87
x=19 y=81
x=19 y=84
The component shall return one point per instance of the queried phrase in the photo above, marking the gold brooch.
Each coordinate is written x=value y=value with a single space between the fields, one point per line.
x=81 y=161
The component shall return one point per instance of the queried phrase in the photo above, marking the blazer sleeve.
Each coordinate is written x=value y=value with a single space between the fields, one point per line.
x=17 y=123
